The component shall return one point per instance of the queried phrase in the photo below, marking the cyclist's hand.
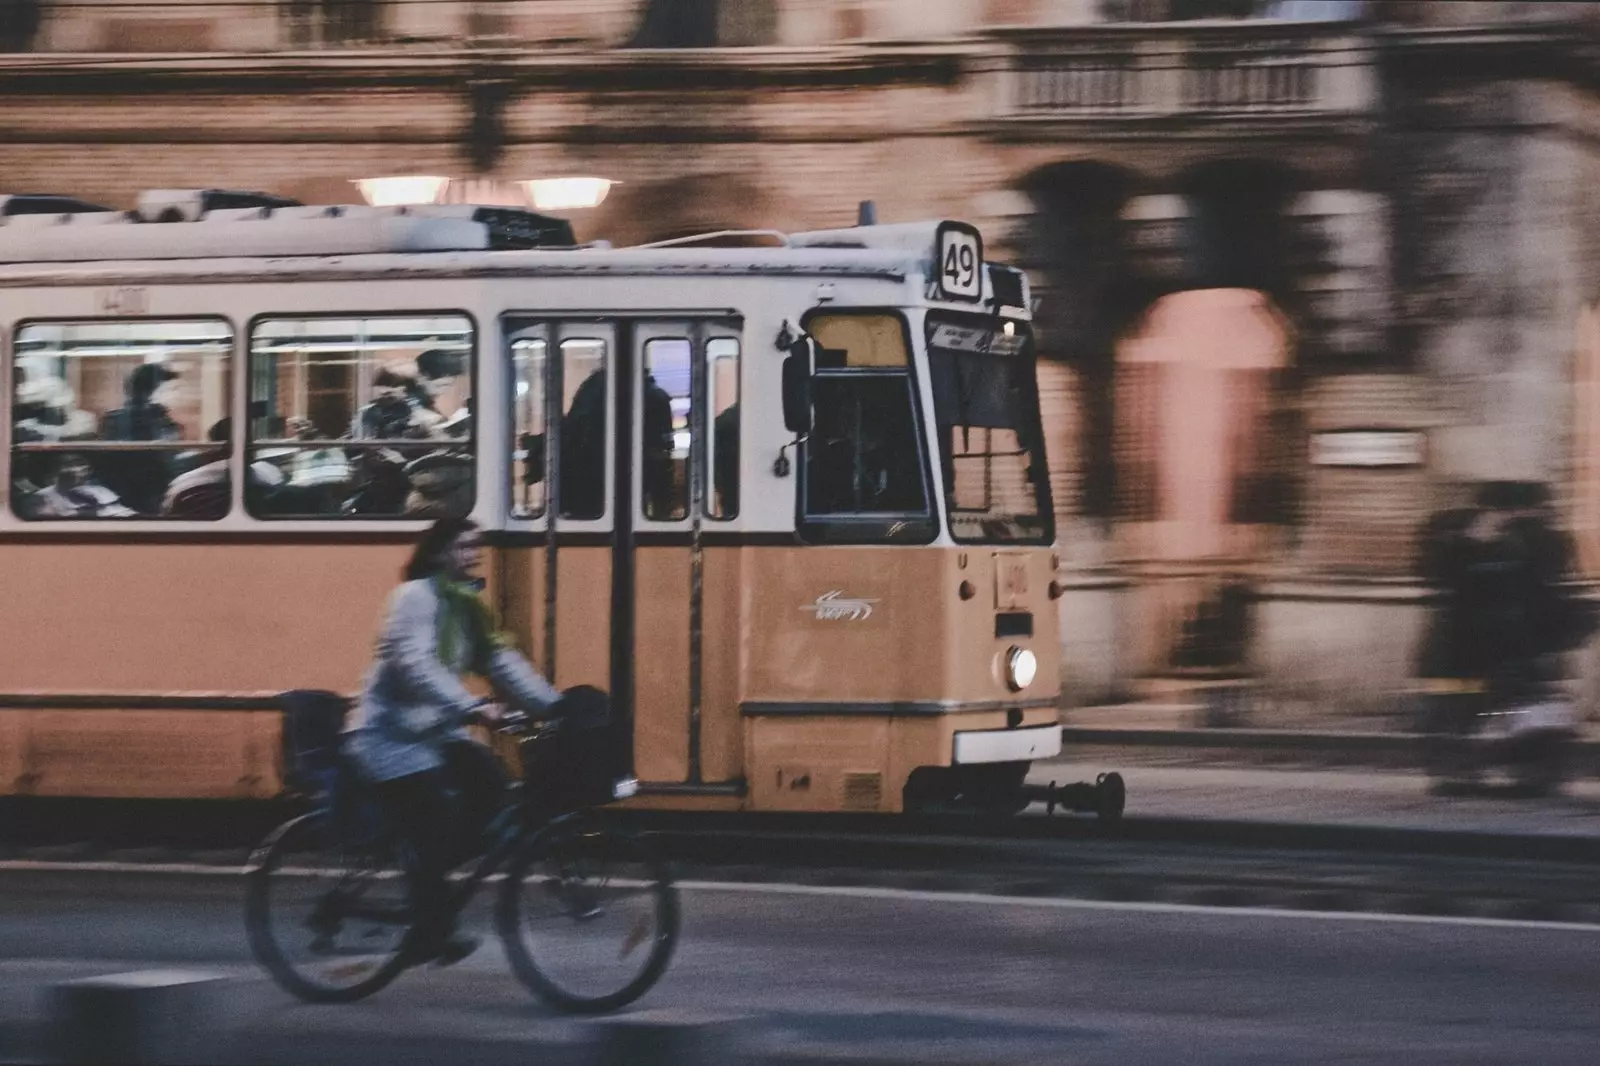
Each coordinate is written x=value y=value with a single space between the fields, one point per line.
x=485 y=712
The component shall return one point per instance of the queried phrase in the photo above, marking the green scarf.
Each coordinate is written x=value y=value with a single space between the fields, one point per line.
x=461 y=611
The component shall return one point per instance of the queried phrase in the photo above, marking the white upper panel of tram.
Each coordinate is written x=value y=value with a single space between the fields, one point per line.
x=183 y=235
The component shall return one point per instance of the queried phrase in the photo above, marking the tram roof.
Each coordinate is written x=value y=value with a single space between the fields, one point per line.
x=220 y=268
x=219 y=236
x=212 y=225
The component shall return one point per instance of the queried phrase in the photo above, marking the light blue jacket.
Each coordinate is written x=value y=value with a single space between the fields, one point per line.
x=413 y=702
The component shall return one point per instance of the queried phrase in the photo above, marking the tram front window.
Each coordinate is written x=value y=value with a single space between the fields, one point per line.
x=865 y=474
x=986 y=407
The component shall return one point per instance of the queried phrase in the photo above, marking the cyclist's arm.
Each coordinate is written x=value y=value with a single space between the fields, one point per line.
x=519 y=684
x=410 y=645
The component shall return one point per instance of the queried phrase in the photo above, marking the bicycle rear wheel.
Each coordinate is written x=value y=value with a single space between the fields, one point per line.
x=326 y=918
x=589 y=917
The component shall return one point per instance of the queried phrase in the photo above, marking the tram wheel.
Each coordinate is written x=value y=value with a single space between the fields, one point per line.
x=995 y=788
x=1542 y=768
x=1111 y=798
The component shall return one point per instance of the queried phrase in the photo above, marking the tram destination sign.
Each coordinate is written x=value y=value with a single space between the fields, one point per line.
x=1368 y=448
x=956 y=338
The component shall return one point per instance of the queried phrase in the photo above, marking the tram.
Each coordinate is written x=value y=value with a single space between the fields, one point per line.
x=784 y=497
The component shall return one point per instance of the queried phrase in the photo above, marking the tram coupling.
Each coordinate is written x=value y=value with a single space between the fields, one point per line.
x=1106 y=798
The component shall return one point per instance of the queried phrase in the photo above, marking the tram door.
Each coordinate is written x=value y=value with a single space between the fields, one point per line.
x=554 y=579
x=684 y=375
x=615 y=571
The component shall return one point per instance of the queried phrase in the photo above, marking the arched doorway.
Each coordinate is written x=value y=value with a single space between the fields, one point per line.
x=1172 y=404
x=1202 y=448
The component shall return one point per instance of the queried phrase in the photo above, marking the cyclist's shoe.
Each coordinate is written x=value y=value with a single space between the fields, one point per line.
x=442 y=950
x=452 y=949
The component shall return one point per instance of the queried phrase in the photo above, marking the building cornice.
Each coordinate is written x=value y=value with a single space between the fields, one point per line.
x=611 y=69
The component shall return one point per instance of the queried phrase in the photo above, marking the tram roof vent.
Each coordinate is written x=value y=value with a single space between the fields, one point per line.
x=190 y=205
x=217 y=223
x=44 y=204
x=916 y=237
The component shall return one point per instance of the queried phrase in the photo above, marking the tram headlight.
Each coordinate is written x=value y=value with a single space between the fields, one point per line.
x=1022 y=666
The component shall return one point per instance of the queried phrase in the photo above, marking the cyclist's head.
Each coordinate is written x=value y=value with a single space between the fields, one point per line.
x=449 y=547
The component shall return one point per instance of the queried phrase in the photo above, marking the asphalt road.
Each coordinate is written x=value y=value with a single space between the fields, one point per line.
x=914 y=976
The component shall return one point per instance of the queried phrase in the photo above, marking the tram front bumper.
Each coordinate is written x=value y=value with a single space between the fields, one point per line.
x=1007 y=745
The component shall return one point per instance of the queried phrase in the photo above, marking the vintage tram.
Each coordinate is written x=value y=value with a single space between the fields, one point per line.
x=784 y=497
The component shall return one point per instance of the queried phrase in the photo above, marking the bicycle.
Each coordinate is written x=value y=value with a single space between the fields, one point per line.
x=567 y=880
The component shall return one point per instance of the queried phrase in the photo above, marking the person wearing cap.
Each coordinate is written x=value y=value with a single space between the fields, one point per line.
x=141 y=478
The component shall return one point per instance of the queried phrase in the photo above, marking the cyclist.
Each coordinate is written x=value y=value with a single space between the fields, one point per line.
x=408 y=733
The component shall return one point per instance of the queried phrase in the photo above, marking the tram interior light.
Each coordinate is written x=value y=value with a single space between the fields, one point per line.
x=567 y=194
x=401 y=190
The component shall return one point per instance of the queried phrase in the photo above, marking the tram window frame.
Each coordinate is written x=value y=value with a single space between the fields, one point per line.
x=201 y=445
x=900 y=527
x=715 y=491
x=470 y=442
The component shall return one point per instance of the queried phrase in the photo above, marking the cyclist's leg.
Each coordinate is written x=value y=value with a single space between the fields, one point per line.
x=474 y=772
x=418 y=806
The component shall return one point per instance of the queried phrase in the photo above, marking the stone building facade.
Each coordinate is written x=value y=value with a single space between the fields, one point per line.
x=1309 y=269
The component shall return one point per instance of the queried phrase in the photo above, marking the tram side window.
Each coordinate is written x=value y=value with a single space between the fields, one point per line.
x=585 y=428
x=722 y=458
x=121 y=419
x=665 y=433
x=864 y=469
x=361 y=417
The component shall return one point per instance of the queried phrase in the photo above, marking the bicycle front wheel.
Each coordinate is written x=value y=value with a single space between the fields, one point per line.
x=589 y=917
x=326 y=917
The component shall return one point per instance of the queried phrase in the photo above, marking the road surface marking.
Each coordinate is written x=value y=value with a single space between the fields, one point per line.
x=908 y=895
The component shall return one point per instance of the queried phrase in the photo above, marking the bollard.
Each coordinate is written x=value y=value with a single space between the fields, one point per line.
x=670 y=1038
x=146 y=1018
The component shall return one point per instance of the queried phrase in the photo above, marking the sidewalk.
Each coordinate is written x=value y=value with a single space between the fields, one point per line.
x=1167 y=733
x=1349 y=798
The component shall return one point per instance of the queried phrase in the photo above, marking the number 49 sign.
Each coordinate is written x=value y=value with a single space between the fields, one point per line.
x=960 y=262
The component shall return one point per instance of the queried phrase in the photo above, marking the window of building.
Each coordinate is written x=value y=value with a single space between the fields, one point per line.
x=311 y=23
x=366 y=417
x=121 y=420
x=722 y=443
x=19 y=24
x=706 y=24
x=865 y=474
x=1191 y=10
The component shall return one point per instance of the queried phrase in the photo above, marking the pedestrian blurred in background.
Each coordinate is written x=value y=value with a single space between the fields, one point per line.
x=1493 y=655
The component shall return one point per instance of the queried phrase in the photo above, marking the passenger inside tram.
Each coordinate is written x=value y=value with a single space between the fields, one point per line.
x=204 y=492
x=583 y=450
x=148 y=383
x=45 y=411
x=862 y=455
x=74 y=494
x=725 y=466
x=141 y=478
x=377 y=418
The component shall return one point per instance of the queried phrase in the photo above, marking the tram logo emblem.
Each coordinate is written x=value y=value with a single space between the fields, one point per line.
x=835 y=606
